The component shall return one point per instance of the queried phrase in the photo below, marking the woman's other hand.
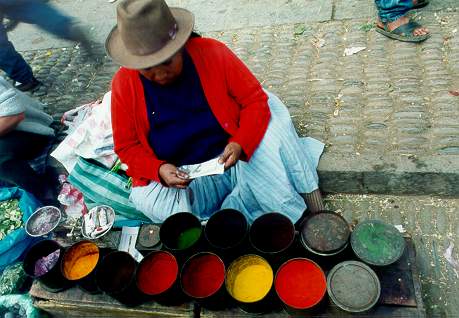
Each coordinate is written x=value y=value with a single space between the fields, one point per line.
x=173 y=177
x=231 y=154
x=9 y=123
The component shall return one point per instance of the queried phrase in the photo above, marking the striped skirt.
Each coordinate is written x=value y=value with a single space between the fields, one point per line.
x=282 y=167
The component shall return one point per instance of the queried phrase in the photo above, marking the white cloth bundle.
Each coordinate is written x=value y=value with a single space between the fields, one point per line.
x=92 y=139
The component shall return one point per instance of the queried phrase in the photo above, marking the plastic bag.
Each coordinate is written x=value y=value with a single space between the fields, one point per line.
x=75 y=117
x=104 y=187
x=18 y=306
x=72 y=199
x=12 y=278
x=92 y=139
x=15 y=243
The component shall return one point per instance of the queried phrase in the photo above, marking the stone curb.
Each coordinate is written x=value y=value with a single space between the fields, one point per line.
x=407 y=175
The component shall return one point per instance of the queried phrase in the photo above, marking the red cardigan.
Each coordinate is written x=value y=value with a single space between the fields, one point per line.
x=234 y=94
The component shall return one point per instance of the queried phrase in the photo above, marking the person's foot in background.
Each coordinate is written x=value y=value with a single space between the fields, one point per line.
x=391 y=26
x=394 y=23
x=31 y=85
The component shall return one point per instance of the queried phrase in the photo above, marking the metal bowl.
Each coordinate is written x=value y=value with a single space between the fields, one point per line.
x=43 y=221
x=110 y=213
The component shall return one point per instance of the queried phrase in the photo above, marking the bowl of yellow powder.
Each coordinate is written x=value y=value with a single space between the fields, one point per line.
x=249 y=279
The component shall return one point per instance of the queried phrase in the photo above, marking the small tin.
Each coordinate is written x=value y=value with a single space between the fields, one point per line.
x=181 y=234
x=116 y=276
x=377 y=243
x=272 y=236
x=353 y=286
x=325 y=233
x=149 y=236
x=226 y=232
x=52 y=279
x=81 y=254
x=203 y=278
x=157 y=278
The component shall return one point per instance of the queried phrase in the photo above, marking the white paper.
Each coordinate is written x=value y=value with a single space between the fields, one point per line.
x=400 y=228
x=352 y=50
x=127 y=242
x=450 y=258
x=207 y=168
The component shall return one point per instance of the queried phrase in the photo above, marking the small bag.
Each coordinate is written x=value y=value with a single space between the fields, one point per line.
x=104 y=187
x=15 y=243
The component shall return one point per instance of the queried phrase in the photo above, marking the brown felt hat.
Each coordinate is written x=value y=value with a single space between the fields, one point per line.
x=148 y=33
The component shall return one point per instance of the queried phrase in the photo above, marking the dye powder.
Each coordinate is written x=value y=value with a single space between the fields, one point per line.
x=46 y=263
x=80 y=260
x=300 y=283
x=157 y=273
x=203 y=275
x=249 y=279
x=377 y=243
x=43 y=221
x=188 y=237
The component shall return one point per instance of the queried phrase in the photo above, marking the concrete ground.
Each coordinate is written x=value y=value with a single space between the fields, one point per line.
x=388 y=113
x=433 y=223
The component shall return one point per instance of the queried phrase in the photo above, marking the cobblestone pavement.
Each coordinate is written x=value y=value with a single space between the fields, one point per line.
x=433 y=224
x=214 y=15
x=387 y=113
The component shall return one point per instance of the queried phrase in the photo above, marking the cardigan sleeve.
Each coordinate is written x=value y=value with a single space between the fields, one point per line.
x=141 y=161
x=254 y=113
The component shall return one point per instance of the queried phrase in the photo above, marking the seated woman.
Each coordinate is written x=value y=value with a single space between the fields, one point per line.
x=181 y=99
x=24 y=135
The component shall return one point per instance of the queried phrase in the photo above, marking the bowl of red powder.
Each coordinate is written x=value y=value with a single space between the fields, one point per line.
x=157 y=273
x=300 y=284
x=203 y=275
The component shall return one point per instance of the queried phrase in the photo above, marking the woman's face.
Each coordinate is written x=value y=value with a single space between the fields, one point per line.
x=165 y=73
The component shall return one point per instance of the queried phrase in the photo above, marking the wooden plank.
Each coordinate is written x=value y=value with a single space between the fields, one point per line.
x=74 y=302
x=72 y=310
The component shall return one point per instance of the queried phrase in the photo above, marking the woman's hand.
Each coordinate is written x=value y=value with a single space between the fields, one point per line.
x=173 y=177
x=231 y=154
x=9 y=123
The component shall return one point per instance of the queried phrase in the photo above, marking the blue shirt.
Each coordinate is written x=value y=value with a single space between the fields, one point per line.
x=183 y=129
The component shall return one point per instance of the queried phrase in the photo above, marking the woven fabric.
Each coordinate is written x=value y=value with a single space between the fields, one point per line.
x=103 y=186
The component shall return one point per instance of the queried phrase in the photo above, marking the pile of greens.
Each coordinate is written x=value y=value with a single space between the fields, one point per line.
x=10 y=217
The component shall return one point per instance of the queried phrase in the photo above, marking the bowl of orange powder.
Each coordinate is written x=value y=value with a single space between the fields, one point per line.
x=80 y=260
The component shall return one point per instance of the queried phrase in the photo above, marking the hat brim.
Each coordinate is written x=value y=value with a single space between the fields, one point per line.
x=118 y=52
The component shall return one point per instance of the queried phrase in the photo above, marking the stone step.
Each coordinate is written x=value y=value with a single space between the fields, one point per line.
x=403 y=175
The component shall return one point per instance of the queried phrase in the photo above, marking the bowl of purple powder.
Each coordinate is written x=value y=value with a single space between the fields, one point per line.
x=43 y=221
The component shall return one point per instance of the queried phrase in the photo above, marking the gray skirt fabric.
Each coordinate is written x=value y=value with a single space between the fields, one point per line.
x=282 y=167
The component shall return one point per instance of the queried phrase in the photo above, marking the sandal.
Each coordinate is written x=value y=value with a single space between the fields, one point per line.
x=403 y=33
x=420 y=4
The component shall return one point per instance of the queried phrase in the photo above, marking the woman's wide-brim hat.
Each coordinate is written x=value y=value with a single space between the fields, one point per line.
x=148 y=33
